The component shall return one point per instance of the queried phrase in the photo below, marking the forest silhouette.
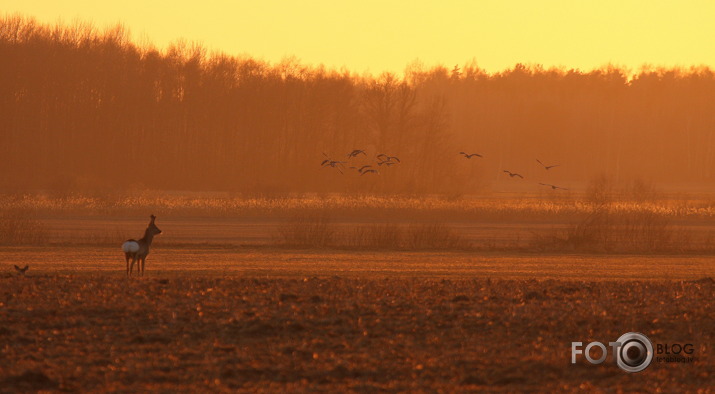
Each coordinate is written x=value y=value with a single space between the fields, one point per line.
x=88 y=109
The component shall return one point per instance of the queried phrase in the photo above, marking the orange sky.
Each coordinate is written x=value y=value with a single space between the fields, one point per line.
x=378 y=36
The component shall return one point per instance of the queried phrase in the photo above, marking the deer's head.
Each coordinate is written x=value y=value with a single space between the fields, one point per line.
x=152 y=227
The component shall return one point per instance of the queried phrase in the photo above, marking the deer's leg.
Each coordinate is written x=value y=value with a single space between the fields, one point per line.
x=126 y=257
x=143 y=262
x=139 y=265
x=131 y=267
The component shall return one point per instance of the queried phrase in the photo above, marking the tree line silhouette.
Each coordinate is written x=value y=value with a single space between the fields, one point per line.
x=86 y=109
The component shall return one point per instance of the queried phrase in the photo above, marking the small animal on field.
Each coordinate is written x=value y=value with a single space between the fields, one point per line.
x=21 y=271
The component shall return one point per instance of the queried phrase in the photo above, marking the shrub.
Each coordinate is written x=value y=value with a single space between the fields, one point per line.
x=608 y=230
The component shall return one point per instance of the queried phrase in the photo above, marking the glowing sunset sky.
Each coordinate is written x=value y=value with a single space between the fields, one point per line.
x=379 y=35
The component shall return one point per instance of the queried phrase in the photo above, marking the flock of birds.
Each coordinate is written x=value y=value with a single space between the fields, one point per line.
x=387 y=161
x=516 y=174
x=546 y=167
x=382 y=160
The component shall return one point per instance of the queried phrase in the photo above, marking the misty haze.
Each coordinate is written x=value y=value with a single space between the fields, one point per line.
x=187 y=220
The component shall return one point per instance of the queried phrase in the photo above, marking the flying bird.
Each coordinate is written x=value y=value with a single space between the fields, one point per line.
x=334 y=164
x=327 y=160
x=470 y=155
x=331 y=163
x=387 y=163
x=553 y=187
x=22 y=270
x=370 y=171
x=356 y=152
x=547 y=167
x=386 y=158
x=513 y=174
x=361 y=169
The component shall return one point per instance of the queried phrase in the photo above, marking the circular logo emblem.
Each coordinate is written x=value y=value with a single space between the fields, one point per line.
x=635 y=352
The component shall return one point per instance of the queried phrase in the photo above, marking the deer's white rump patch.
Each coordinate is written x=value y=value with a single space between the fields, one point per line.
x=130 y=247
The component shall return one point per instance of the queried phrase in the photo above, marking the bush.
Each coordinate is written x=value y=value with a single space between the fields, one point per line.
x=607 y=230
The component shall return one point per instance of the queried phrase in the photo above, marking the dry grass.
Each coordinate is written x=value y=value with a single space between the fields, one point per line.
x=218 y=261
x=516 y=208
x=91 y=238
x=304 y=232
x=373 y=236
x=434 y=236
x=605 y=230
x=19 y=228
x=321 y=232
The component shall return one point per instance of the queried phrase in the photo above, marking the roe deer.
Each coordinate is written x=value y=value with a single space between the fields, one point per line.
x=138 y=250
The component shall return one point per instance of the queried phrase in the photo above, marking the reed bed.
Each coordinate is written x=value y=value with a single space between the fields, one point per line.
x=493 y=208
x=614 y=225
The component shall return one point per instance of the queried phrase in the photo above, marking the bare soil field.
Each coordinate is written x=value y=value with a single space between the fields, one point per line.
x=181 y=332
